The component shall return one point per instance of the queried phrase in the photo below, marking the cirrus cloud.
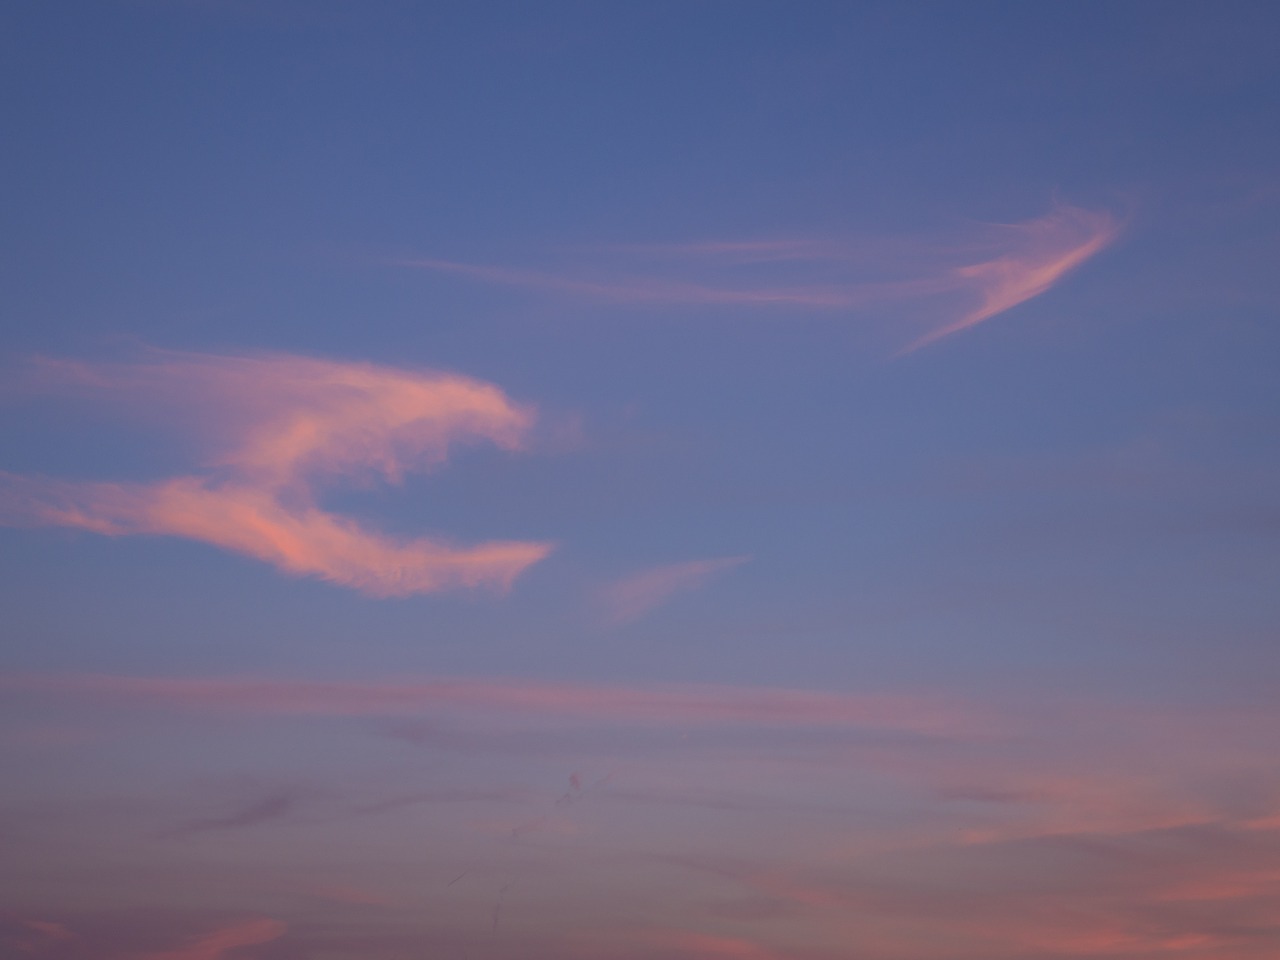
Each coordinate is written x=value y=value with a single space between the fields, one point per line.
x=216 y=945
x=994 y=269
x=277 y=428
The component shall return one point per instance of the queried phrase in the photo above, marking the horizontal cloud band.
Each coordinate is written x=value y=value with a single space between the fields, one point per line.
x=662 y=706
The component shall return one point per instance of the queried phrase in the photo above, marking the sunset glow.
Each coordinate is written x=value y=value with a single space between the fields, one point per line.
x=640 y=480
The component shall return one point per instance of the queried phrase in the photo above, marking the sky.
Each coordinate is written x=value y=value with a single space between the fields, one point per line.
x=703 y=480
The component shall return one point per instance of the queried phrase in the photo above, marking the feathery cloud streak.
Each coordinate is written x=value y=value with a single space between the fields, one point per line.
x=630 y=598
x=1010 y=265
x=1054 y=829
x=662 y=706
x=216 y=945
x=1047 y=250
x=278 y=427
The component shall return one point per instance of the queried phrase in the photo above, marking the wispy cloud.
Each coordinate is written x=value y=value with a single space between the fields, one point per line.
x=994 y=270
x=1018 y=829
x=33 y=937
x=1045 y=251
x=277 y=428
x=630 y=598
x=349 y=895
x=656 y=705
x=217 y=945
x=274 y=806
x=705 y=946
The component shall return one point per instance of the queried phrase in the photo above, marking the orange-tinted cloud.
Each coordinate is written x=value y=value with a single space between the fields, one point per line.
x=277 y=427
x=1014 y=263
x=216 y=945
x=632 y=597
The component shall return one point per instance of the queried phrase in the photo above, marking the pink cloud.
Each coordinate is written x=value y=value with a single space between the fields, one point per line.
x=631 y=598
x=1049 y=248
x=216 y=945
x=49 y=930
x=641 y=289
x=705 y=946
x=277 y=428
x=661 y=706
x=38 y=937
x=1018 y=262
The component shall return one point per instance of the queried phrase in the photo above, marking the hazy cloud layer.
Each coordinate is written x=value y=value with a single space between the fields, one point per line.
x=658 y=705
x=1020 y=830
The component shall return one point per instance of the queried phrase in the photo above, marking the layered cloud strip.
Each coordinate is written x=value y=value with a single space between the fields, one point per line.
x=277 y=429
x=970 y=279
x=768 y=823
x=689 y=705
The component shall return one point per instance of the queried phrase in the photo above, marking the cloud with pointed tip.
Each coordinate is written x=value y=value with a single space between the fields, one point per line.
x=994 y=270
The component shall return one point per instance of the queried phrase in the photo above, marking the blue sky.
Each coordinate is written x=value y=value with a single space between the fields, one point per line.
x=715 y=476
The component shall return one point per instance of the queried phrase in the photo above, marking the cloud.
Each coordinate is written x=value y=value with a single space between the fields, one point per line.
x=656 y=706
x=631 y=598
x=271 y=807
x=1049 y=248
x=34 y=937
x=1011 y=264
x=49 y=930
x=216 y=945
x=1055 y=828
x=277 y=428
x=705 y=946
x=353 y=896
x=1192 y=894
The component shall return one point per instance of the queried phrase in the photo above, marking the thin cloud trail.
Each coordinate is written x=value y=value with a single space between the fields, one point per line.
x=631 y=598
x=1056 y=245
x=219 y=944
x=635 y=705
x=277 y=428
x=1015 y=263
x=634 y=290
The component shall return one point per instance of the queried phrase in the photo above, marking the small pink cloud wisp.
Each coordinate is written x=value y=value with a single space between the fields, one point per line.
x=629 y=599
x=219 y=944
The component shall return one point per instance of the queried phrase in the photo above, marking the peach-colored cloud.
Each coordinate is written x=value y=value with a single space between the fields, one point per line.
x=216 y=945
x=632 y=597
x=1015 y=263
x=663 y=706
x=277 y=427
